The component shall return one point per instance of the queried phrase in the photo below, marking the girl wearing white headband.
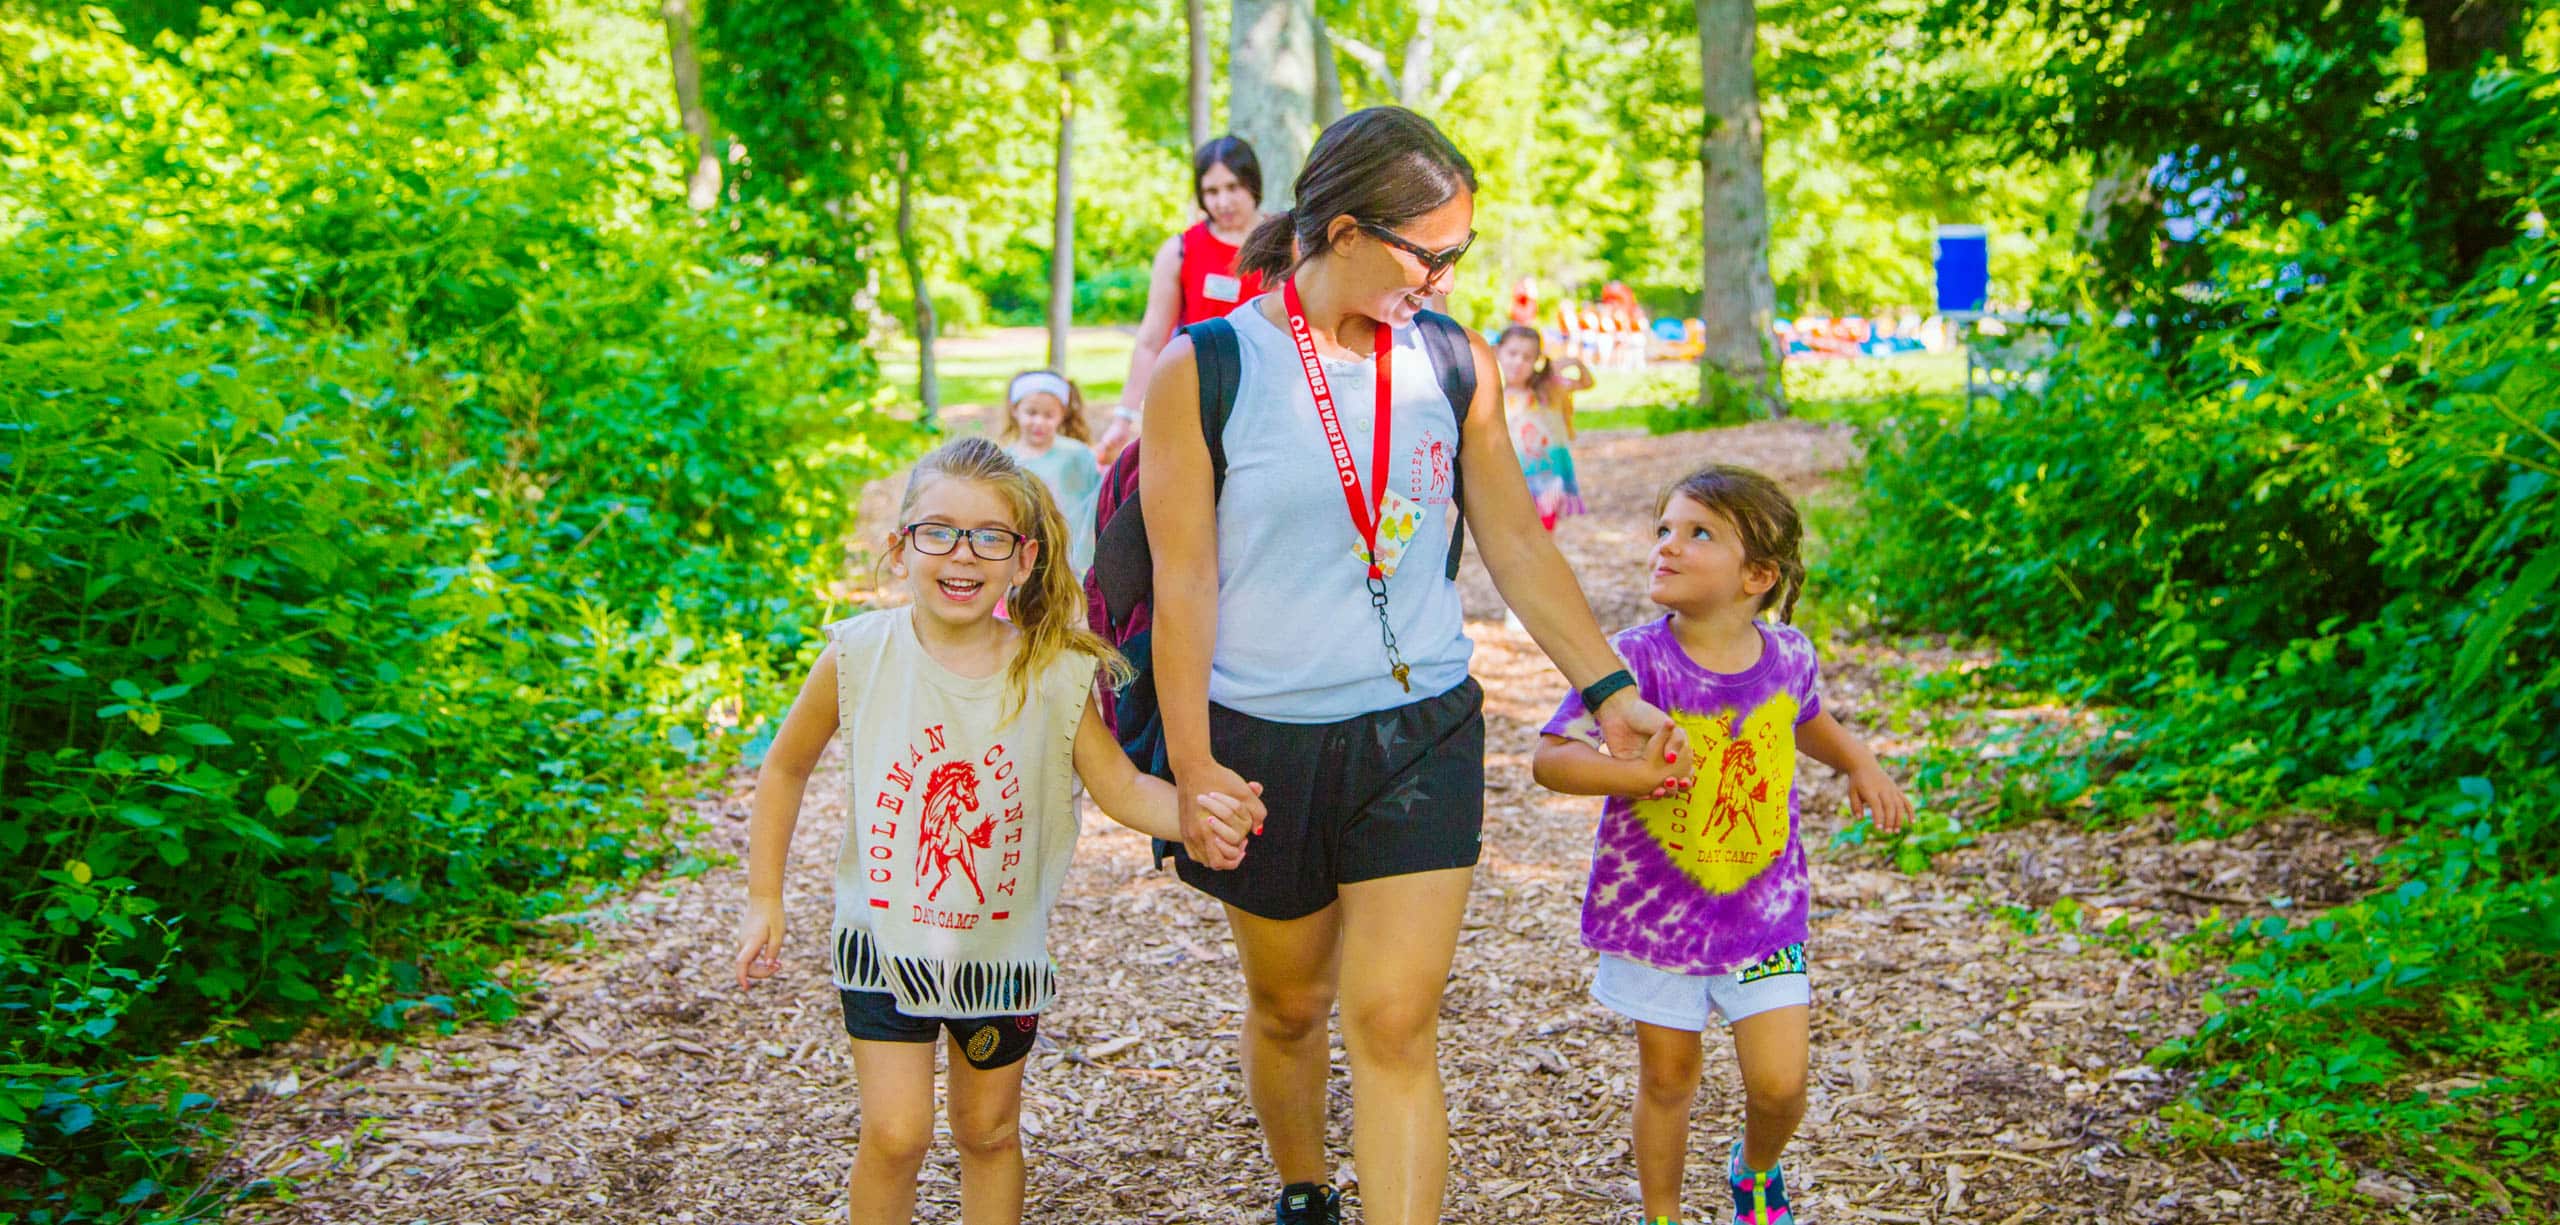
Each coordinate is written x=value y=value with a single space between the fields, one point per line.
x=1045 y=432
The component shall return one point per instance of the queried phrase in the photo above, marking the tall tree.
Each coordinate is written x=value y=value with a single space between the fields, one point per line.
x=1329 y=106
x=800 y=84
x=1417 y=78
x=2419 y=113
x=904 y=130
x=1738 y=304
x=1271 y=98
x=702 y=185
x=1195 y=24
x=1062 y=234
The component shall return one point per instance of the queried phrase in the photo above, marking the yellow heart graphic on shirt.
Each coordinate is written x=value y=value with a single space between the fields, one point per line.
x=1733 y=822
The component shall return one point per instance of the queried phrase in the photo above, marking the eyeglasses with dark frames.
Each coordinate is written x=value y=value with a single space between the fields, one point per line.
x=939 y=539
x=1433 y=262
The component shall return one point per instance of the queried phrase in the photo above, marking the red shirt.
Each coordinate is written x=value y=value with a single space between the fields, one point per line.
x=1210 y=287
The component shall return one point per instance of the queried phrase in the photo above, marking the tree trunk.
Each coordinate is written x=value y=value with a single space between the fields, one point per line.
x=2460 y=36
x=702 y=187
x=2119 y=189
x=928 y=386
x=1329 y=105
x=2461 y=33
x=1414 y=83
x=1196 y=20
x=1739 y=369
x=1062 y=238
x=1271 y=99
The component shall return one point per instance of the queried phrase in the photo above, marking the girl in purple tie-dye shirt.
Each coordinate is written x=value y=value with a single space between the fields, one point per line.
x=1697 y=897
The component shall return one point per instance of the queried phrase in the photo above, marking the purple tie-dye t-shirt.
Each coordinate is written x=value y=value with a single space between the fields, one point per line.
x=1713 y=881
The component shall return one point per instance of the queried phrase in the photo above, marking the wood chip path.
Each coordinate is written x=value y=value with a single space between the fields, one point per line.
x=1962 y=1071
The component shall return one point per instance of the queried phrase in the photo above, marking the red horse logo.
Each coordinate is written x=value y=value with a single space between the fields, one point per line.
x=1441 y=462
x=1739 y=787
x=951 y=793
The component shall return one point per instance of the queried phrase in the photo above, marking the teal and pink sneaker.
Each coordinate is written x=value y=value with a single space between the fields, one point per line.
x=1759 y=1196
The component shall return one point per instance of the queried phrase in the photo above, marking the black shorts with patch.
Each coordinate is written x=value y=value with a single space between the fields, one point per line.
x=1388 y=793
x=987 y=1043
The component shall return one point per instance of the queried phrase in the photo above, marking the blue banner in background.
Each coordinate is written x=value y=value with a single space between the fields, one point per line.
x=1964 y=269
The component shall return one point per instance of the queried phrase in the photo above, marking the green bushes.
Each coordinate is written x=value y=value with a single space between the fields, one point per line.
x=395 y=479
x=2306 y=555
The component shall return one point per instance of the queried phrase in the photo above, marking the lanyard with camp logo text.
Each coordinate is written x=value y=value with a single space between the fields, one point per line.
x=1365 y=511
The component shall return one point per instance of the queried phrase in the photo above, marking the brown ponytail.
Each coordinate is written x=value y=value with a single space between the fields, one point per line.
x=1269 y=249
x=1384 y=165
x=1772 y=531
x=1048 y=606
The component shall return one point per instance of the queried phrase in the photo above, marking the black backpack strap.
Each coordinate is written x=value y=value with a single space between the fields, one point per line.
x=1213 y=346
x=1123 y=565
x=1446 y=340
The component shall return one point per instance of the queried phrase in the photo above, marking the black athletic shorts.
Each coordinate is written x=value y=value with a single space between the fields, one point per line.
x=987 y=1043
x=1388 y=793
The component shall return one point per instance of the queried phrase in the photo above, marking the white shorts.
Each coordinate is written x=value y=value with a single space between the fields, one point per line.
x=1682 y=1001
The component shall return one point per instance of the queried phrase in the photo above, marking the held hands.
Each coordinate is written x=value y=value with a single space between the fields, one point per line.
x=1663 y=767
x=759 y=941
x=1872 y=791
x=1219 y=811
x=1228 y=824
x=1639 y=733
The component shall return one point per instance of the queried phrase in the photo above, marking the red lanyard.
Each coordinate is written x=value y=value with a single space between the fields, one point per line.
x=1364 y=514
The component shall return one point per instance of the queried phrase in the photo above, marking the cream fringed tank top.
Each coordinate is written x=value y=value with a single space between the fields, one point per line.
x=959 y=824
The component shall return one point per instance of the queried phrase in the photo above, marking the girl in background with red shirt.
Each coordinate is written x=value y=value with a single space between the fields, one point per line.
x=1195 y=275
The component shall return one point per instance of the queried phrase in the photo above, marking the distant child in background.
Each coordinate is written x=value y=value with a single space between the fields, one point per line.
x=961 y=734
x=1045 y=432
x=1537 y=398
x=1699 y=898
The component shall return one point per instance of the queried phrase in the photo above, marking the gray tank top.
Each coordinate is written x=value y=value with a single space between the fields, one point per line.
x=1297 y=639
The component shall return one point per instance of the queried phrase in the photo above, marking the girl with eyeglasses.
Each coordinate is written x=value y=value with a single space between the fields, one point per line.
x=961 y=733
x=1307 y=633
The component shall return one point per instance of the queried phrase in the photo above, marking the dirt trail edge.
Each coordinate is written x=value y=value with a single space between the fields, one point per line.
x=1962 y=1070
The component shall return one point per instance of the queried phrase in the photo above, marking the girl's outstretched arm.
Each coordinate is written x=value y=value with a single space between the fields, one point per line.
x=1871 y=790
x=1149 y=804
x=1572 y=767
x=780 y=783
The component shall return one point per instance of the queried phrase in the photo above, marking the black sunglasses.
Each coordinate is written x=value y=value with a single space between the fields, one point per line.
x=1433 y=262
x=939 y=539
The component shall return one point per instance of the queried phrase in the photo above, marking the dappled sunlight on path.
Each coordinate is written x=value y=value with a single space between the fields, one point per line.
x=1966 y=1066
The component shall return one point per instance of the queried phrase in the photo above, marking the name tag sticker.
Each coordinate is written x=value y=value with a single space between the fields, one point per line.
x=1399 y=517
x=1220 y=288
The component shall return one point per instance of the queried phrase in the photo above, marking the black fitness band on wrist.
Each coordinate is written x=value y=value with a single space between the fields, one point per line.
x=1598 y=691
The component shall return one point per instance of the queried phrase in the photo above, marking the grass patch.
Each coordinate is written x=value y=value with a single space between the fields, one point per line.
x=1861 y=392
x=974 y=368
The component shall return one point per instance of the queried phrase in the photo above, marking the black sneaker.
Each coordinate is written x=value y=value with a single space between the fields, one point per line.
x=1308 y=1203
